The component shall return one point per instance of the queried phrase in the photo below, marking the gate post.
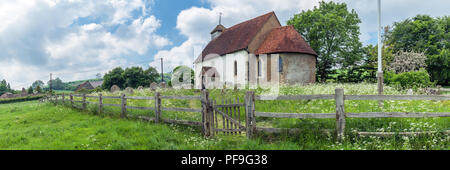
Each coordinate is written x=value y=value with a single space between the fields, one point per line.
x=206 y=113
x=250 y=114
x=340 y=113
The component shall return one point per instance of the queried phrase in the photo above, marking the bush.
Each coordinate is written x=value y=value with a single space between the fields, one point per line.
x=409 y=80
x=20 y=99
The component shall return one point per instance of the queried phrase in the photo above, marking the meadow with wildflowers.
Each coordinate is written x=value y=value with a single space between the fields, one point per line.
x=58 y=127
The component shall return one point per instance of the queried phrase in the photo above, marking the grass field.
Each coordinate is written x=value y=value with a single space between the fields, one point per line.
x=31 y=125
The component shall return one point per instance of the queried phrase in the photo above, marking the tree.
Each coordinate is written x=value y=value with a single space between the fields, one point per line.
x=439 y=66
x=5 y=87
x=57 y=84
x=38 y=89
x=151 y=75
x=421 y=33
x=134 y=77
x=333 y=32
x=424 y=34
x=37 y=83
x=113 y=77
x=98 y=75
x=30 y=90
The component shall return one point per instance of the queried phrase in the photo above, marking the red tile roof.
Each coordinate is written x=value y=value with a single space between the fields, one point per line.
x=285 y=39
x=238 y=37
x=235 y=38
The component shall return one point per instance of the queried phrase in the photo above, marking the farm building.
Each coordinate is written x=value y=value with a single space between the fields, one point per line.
x=89 y=85
x=257 y=51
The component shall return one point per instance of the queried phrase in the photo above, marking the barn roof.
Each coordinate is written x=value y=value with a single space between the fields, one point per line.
x=235 y=38
x=284 y=39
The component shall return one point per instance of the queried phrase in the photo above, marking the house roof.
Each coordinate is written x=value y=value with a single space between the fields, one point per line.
x=235 y=38
x=284 y=39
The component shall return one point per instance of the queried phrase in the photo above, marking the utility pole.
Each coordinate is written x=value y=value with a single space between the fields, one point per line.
x=162 y=71
x=50 y=83
x=380 y=66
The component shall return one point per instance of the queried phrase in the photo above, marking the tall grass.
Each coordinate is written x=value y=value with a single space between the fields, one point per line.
x=312 y=137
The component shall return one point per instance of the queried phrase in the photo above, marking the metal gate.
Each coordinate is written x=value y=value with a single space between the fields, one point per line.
x=228 y=116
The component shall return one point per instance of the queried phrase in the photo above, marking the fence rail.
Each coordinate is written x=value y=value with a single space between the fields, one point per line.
x=230 y=112
x=123 y=105
x=340 y=115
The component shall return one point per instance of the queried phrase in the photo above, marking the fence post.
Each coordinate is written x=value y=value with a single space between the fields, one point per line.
x=205 y=113
x=124 y=106
x=157 y=107
x=250 y=114
x=71 y=99
x=84 y=101
x=63 y=99
x=100 y=103
x=340 y=113
x=380 y=81
x=56 y=99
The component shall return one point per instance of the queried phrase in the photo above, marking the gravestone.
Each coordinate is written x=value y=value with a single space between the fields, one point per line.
x=153 y=86
x=129 y=90
x=410 y=92
x=115 y=88
x=162 y=85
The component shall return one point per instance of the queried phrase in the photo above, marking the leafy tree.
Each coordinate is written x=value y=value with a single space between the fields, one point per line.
x=57 y=84
x=5 y=87
x=37 y=83
x=439 y=66
x=425 y=34
x=134 y=77
x=421 y=33
x=38 y=89
x=333 y=32
x=113 y=77
x=30 y=90
x=151 y=75
x=98 y=75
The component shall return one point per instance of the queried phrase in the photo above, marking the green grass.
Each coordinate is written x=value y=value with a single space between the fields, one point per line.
x=34 y=125
x=31 y=125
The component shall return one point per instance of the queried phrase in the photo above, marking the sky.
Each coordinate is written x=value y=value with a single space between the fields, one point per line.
x=77 y=39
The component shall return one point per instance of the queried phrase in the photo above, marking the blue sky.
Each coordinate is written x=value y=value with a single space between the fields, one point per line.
x=77 y=39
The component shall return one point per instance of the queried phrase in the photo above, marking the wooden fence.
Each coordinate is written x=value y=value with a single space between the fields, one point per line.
x=230 y=112
x=158 y=108
x=340 y=115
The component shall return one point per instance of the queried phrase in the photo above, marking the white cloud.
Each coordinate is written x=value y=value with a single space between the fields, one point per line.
x=45 y=36
x=196 y=23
